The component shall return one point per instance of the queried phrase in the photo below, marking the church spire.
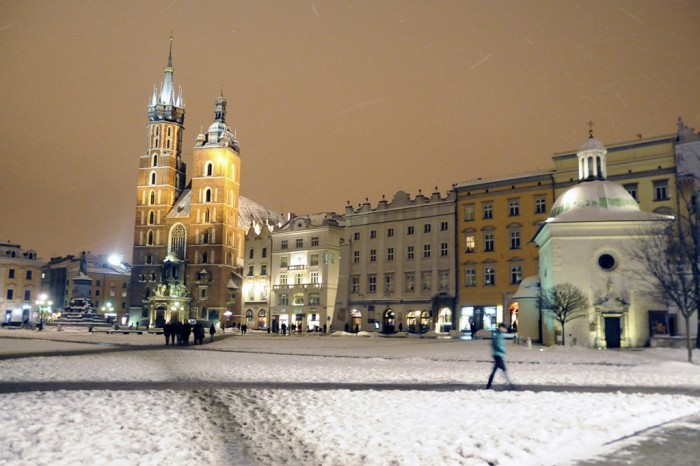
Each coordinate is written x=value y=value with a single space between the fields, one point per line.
x=167 y=105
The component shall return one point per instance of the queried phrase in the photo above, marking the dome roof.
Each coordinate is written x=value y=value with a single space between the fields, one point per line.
x=591 y=199
x=591 y=144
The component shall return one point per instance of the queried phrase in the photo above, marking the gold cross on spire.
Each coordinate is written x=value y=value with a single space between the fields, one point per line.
x=590 y=128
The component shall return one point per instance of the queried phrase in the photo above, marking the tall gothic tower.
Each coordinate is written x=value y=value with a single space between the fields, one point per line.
x=161 y=180
x=216 y=239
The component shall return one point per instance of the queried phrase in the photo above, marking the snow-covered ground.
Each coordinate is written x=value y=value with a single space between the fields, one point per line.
x=274 y=414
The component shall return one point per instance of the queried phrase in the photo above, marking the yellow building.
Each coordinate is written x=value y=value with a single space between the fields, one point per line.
x=20 y=283
x=495 y=220
x=498 y=217
x=646 y=168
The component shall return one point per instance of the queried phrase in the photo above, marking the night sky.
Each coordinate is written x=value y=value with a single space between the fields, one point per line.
x=332 y=101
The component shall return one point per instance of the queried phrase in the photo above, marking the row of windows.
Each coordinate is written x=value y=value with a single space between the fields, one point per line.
x=299 y=243
x=251 y=253
x=298 y=299
x=660 y=190
x=314 y=277
x=489 y=275
x=410 y=253
x=409 y=282
x=251 y=270
x=469 y=210
x=12 y=273
x=490 y=241
x=661 y=193
x=410 y=230
x=29 y=255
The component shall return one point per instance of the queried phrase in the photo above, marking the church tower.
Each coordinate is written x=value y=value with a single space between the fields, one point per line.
x=215 y=256
x=161 y=180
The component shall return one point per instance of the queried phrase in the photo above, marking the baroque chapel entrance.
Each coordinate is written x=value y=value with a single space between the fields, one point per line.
x=613 y=331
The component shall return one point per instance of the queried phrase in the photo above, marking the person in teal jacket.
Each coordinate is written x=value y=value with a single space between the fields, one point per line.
x=498 y=348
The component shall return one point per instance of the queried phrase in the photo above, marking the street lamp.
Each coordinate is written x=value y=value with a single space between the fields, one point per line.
x=108 y=311
x=44 y=305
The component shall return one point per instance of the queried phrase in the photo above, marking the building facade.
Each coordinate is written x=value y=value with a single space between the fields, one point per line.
x=188 y=242
x=256 y=279
x=588 y=241
x=398 y=266
x=20 y=284
x=495 y=220
x=107 y=284
x=305 y=268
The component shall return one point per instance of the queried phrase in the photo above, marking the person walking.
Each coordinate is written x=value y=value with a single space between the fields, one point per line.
x=167 y=330
x=212 y=331
x=498 y=348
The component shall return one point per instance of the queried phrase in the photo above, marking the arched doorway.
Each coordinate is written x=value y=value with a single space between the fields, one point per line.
x=412 y=320
x=389 y=322
x=424 y=322
x=356 y=321
x=159 y=320
x=444 y=320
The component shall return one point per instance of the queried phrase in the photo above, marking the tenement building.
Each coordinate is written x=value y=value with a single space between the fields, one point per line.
x=304 y=273
x=398 y=266
x=20 y=282
x=495 y=220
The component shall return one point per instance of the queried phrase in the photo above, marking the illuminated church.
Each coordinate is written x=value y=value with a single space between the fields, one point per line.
x=188 y=238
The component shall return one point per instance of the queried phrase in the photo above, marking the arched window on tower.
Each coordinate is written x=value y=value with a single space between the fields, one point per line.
x=150 y=238
x=205 y=237
x=209 y=169
x=206 y=216
x=153 y=178
x=155 y=160
x=178 y=241
x=152 y=198
x=205 y=258
x=207 y=195
x=151 y=217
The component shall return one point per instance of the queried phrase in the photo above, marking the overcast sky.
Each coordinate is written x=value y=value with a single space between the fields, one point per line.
x=332 y=101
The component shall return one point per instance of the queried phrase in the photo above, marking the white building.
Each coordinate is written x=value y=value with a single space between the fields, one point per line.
x=587 y=241
x=256 y=278
x=305 y=269
x=398 y=265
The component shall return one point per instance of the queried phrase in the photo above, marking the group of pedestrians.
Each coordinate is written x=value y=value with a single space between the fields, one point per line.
x=180 y=332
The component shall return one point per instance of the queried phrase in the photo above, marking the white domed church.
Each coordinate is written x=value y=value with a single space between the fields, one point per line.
x=586 y=241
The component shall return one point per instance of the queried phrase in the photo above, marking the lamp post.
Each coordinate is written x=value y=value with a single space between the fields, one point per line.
x=44 y=305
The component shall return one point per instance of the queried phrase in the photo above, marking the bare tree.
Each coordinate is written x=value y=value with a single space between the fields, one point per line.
x=670 y=254
x=565 y=302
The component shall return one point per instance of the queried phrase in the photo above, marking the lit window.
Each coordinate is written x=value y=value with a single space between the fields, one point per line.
x=469 y=243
